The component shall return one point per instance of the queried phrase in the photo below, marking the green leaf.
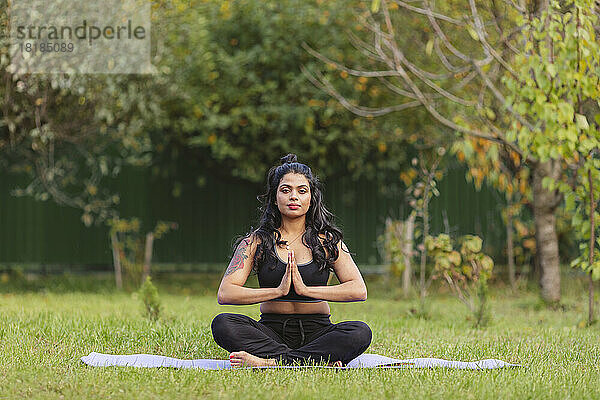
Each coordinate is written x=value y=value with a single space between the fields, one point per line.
x=581 y=122
x=487 y=263
x=565 y=112
x=375 y=5
x=472 y=33
x=596 y=272
x=570 y=201
x=548 y=183
x=429 y=47
x=571 y=135
x=540 y=98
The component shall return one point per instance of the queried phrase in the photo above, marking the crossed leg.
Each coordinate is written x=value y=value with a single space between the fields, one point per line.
x=252 y=343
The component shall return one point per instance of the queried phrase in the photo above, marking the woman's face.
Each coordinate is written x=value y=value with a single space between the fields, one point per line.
x=293 y=195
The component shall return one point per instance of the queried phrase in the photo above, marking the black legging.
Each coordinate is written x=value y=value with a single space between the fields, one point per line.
x=292 y=338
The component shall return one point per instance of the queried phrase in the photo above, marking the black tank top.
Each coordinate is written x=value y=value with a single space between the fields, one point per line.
x=311 y=276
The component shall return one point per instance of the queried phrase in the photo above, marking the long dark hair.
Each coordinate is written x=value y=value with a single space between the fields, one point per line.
x=318 y=219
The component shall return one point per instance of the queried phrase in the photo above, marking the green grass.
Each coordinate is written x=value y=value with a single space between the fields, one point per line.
x=43 y=334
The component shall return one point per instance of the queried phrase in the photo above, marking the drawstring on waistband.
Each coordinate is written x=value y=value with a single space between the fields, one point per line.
x=301 y=332
x=285 y=321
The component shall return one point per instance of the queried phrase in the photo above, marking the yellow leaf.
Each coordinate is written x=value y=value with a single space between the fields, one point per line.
x=529 y=244
x=375 y=5
x=429 y=47
x=472 y=33
x=92 y=190
x=454 y=257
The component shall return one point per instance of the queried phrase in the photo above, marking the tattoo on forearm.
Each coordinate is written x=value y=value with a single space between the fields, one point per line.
x=237 y=262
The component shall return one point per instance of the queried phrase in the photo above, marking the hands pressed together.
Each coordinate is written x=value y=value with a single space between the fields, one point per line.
x=292 y=277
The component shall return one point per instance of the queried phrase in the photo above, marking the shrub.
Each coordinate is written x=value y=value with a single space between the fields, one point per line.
x=466 y=271
x=151 y=301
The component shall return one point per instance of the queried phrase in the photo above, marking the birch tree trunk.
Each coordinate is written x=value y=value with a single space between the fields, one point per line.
x=147 y=256
x=407 y=252
x=116 y=261
x=510 y=249
x=591 y=250
x=544 y=207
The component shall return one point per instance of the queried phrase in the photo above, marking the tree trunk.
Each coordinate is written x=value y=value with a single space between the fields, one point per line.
x=147 y=256
x=407 y=252
x=591 y=250
x=424 y=250
x=544 y=206
x=116 y=261
x=510 y=248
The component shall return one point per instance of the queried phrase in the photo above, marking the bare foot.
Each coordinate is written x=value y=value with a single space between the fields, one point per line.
x=243 y=359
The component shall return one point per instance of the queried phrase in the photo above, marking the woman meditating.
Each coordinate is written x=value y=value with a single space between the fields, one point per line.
x=292 y=251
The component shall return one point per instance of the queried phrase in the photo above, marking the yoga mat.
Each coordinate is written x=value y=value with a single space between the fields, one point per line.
x=363 y=361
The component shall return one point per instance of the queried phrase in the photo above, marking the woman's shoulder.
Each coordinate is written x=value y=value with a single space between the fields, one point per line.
x=253 y=238
x=249 y=241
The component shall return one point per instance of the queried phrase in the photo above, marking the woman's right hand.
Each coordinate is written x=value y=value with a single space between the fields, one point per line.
x=286 y=281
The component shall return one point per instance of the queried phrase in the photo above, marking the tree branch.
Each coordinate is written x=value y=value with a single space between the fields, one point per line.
x=421 y=75
x=443 y=37
x=481 y=33
x=501 y=98
x=427 y=104
x=396 y=89
x=445 y=62
x=342 y=67
x=428 y=12
x=363 y=47
x=322 y=83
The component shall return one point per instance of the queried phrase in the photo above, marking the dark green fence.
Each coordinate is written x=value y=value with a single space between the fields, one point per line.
x=210 y=217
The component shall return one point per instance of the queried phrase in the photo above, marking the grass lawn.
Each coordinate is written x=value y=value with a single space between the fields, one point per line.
x=44 y=333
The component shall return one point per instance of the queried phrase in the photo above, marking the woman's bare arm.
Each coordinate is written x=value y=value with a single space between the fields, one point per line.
x=232 y=290
x=351 y=288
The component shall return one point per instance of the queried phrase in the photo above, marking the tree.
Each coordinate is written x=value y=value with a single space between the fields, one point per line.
x=562 y=63
x=470 y=50
x=68 y=134
x=64 y=137
x=235 y=99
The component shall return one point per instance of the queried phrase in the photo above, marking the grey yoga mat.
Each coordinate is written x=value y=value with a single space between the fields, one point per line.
x=362 y=361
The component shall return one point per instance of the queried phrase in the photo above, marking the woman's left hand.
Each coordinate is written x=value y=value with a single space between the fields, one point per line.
x=299 y=285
